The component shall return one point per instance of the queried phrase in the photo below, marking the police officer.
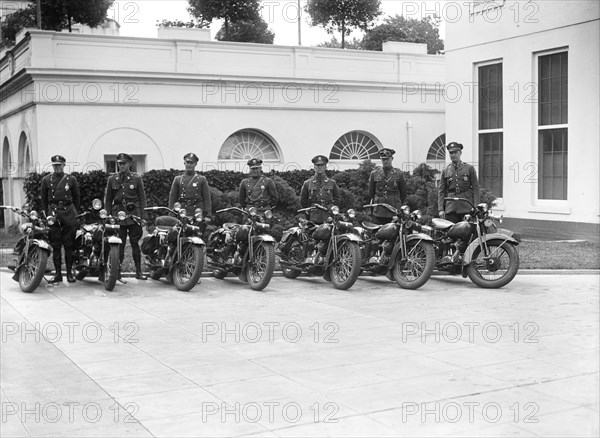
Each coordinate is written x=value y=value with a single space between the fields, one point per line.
x=258 y=190
x=60 y=198
x=191 y=189
x=387 y=186
x=125 y=187
x=458 y=180
x=320 y=190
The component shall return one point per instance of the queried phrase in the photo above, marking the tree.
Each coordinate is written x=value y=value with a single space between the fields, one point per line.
x=247 y=31
x=398 y=28
x=231 y=11
x=343 y=15
x=334 y=43
x=56 y=15
x=180 y=23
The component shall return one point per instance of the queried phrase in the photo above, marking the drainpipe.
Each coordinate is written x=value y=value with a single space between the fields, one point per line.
x=409 y=140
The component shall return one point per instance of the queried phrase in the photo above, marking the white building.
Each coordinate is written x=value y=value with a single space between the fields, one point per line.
x=89 y=97
x=527 y=110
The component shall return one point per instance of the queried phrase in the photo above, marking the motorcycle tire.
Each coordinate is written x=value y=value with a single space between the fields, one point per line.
x=346 y=270
x=111 y=272
x=294 y=255
x=188 y=268
x=478 y=273
x=33 y=270
x=260 y=270
x=417 y=269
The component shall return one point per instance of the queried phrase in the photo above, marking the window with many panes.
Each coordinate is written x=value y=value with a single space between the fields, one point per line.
x=552 y=126
x=490 y=127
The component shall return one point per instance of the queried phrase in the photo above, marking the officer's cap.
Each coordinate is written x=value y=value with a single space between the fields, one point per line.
x=191 y=156
x=254 y=163
x=320 y=159
x=454 y=146
x=386 y=153
x=58 y=159
x=123 y=157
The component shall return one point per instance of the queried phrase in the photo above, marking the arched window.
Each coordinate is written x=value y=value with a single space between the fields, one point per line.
x=24 y=155
x=437 y=150
x=354 y=145
x=249 y=143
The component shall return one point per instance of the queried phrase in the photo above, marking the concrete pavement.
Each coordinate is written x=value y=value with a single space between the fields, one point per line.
x=301 y=359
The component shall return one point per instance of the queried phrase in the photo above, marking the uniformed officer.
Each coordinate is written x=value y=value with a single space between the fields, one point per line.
x=191 y=189
x=387 y=186
x=320 y=190
x=60 y=198
x=458 y=180
x=258 y=190
x=125 y=187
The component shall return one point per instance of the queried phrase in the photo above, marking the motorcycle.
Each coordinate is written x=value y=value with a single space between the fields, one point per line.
x=398 y=249
x=174 y=248
x=475 y=247
x=96 y=247
x=244 y=249
x=330 y=249
x=32 y=250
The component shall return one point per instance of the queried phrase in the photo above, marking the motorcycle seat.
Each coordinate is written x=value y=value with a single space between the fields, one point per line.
x=441 y=224
x=165 y=223
x=371 y=226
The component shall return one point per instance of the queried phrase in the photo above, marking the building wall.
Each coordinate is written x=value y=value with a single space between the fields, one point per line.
x=477 y=39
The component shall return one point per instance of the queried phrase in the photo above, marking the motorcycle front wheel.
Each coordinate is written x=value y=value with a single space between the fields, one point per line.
x=188 y=268
x=414 y=271
x=498 y=269
x=346 y=270
x=112 y=268
x=32 y=271
x=260 y=267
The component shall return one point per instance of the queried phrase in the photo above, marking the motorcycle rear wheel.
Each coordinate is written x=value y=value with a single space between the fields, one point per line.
x=188 y=268
x=260 y=269
x=294 y=256
x=347 y=269
x=505 y=264
x=414 y=272
x=112 y=268
x=33 y=270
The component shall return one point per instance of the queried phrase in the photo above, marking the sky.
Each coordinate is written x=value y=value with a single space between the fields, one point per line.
x=138 y=18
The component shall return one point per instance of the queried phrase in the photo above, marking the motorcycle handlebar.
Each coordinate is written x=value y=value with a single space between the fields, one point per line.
x=387 y=206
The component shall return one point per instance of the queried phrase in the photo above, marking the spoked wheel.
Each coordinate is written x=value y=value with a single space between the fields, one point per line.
x=260 y=268
x=32 y=271
x=188 y=269
x=496 y=270
x=294 y=256
x=345 y=271
x=112 y=268
x=414 y=271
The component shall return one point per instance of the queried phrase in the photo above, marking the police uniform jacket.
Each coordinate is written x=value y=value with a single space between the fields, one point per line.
x=123 y=188
x=458 y=181
x=260 y=193
x=387 y=188
x=60 y=197
x=324 y=191
x=192 y=192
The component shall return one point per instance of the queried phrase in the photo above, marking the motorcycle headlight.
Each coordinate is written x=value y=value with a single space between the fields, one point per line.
x=351 y=213
x=269 y=214
x=103 y=214
x=405 y=209
x=418 y=214
x=177 y=206
x=182 y=213
x=33 y=215
x=121 y=215
x=335 y=210
x=96 y=204
x=51 y=220
x=483 y=207
x=252 y=211
x=25 y=228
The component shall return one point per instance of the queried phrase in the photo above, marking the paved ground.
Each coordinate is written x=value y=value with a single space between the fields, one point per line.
x=302 y=359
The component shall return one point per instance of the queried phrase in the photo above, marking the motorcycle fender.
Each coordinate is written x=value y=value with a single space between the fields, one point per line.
x=418 y=236
x=194 y=240
x=41 y=243
x=263 y=238
x=502 y=238
x=348 y=236
x=114 y=239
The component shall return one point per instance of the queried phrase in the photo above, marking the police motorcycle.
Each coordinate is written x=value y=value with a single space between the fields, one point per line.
x=32 y=250
x=174 y=248
x=245 y=249
x=96 y=247
x=330 y=249
x=398 y=249
x=476 y=247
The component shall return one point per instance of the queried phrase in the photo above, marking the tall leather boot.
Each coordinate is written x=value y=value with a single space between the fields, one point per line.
x=137 y=259
x=57 y=259
x=69 y=265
